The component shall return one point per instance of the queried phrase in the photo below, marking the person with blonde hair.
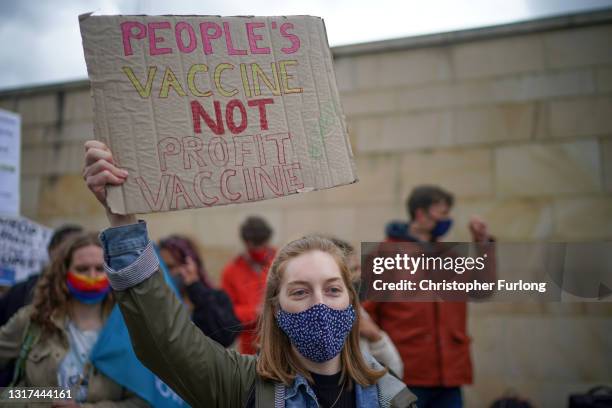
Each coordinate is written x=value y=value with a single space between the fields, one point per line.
x=308 y=329
x=52 y=338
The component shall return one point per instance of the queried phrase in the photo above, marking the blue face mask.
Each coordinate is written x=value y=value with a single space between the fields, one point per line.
x=441 y=228
x=319 y=332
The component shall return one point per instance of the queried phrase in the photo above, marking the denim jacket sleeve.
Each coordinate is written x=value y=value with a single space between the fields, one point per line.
x=165 y=340
x=129 y=255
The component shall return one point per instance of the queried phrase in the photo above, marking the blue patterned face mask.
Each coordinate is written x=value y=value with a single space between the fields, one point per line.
x=318 y=332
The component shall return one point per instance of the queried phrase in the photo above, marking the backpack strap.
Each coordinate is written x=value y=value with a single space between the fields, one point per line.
x=31 y=336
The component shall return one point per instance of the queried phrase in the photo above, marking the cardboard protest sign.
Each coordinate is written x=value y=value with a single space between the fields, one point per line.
x=23 y=248
x=206 y=111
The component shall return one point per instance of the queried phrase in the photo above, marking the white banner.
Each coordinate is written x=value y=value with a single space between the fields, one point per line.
x=23 y=248
x=10 y=149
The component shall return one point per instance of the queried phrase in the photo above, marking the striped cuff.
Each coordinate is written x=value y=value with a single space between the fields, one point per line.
x=140 y=270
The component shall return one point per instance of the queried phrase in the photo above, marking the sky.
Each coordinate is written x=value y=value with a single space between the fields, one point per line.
x=40 y=41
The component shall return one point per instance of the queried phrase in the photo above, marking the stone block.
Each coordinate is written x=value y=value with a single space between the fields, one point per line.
x=564 y=310
x=495 y=90
x=413 y=67
x=559 y=349
x=38 y=109
x=33 y=160
x=487 y=355
x=377 y=178
x=76 y=132
x=505 y=90
x=79 y=106
x=95 y=222
x=371 y=221
x=584 y=218
x=216 y=227
x=29 y=192
x=497 y=123
x=369 y=102
x=51 y=134
x=398 y=68
x=66 y=196
x=215 y=259
x=498 y=57
x=607 y=162
x=434 y=96
x=545 y=169
x=586 y=345
x=467 y=172
x=543 y=85
x=336 y=221
x=523 y=87
x=513 y=219
x=404 y=132
x=521 y=219
x=9 y=104
x=66 y=158
x=603 y=309
x=345 y=74
x=581 y=117
x=604 y=79
x=161 y=225
x=578 y=47
x=459 y=93
x=542 y=121
x=367 y=71
x=33 y=135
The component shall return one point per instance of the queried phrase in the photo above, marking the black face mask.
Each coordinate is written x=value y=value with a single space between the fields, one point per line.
x=441 y=227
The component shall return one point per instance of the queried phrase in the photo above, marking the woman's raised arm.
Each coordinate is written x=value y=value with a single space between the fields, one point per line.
x=201 y=371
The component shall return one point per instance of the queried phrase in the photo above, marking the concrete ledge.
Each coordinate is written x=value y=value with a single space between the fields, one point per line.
x=590 y=18
x=45 y=88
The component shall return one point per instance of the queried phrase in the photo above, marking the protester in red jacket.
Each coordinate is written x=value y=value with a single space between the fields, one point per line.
x=431 y=337
x=244 y=278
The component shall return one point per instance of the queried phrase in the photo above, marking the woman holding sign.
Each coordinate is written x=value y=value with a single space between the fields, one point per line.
x=308 y=330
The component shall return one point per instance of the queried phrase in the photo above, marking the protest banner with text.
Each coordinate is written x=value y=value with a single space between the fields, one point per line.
x=205 y=111
x=23 y=248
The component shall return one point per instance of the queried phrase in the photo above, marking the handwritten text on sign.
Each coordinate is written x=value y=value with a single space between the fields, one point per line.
x=248 y=94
